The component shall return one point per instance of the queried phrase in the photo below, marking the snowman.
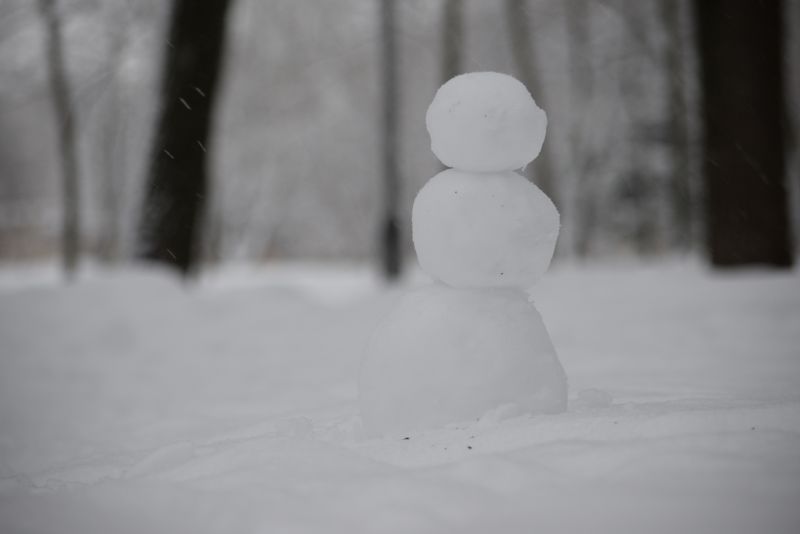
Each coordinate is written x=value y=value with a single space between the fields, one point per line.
x=472 y=342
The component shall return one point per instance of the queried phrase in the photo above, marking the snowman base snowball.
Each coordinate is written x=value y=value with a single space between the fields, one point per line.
x=444 y=355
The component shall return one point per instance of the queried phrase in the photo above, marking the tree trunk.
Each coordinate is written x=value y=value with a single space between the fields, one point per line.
x=677 y=128
x=390 y=233
x=67 y=137
x=113 y=160
x=178 y=178
x=585 y=159
x=522 y=50
x=452 y=38
x=740 y=44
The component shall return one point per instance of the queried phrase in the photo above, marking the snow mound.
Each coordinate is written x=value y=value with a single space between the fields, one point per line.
x=134 y=403
x=492 y=350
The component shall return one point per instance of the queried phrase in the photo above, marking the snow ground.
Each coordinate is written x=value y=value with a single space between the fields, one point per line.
x=129 y=403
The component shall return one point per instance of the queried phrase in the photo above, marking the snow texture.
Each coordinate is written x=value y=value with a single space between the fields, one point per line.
x=485 y=122
x=444 y=356
x=484 y=230
x=130 y=403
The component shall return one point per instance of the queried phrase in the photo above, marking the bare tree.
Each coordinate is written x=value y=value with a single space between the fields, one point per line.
x=584 y=160
x=639 y=192
x=178 y=178
x=452 y=38
x=741 y=60
x=67 y=137
x=524 y=54
x=112 y=142
x=390 y=233
x=677 y=126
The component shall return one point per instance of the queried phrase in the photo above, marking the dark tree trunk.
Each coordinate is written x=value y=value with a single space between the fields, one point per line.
x=390 y=234
x=740 y=43
x=178 y=181
x=522 y=50
x=67 y=137
x=452 y=38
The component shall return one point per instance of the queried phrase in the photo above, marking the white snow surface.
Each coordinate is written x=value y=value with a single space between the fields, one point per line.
x=484 y=230
x=446 y=355
x=485 y=122
x=130 y=402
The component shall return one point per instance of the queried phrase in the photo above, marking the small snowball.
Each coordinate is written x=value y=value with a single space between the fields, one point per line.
x=444 y=356
x=485 y=122
x=484 y=230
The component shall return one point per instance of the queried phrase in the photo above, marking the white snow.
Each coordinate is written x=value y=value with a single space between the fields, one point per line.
x=484 y=230
x=443 y=356
x=485 y=122
x=131 y=403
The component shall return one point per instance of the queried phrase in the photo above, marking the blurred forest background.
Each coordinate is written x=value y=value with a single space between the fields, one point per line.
x=298 y=152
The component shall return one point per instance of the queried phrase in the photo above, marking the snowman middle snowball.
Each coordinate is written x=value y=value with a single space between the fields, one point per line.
x=458 y=349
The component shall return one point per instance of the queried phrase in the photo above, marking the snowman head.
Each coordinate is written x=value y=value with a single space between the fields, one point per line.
x=485 y=122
